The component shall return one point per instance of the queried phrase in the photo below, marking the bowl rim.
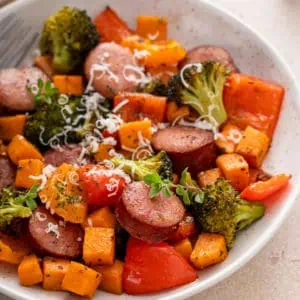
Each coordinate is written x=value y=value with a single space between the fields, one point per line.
x=262 y=240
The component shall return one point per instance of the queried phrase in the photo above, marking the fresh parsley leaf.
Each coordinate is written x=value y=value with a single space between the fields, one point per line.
x=155 y=190
x=167 y=191
x=43 y=92
x=152 y=179
x=199 y=198
x=181 y=191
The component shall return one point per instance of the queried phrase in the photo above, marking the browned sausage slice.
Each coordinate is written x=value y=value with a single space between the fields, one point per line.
x=210 y=53
x=7 y=172
x=149 y=219
x=68 y=154
x=141 y=230
x=112 y=68
x=51 y=236
x=187 y=147
x=13 y=87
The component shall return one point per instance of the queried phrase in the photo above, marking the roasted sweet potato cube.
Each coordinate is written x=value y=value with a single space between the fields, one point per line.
x=209 y=249
x=254 y=146
x=235 y=169
x=209 y=177
x=99 y=246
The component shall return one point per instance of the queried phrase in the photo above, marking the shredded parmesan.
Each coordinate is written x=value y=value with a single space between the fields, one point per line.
x=153 y=37
x=120 y=105
x=140 y=54
x=112 y=186
x=234 y=136
x=198 y=67
x=138 y=76
x=41 y=216
x=53 y=228
x=109 y=141
x=46 y=173
x=109 y=173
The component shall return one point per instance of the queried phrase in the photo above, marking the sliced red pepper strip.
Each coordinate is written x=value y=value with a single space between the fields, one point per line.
x=263 y=189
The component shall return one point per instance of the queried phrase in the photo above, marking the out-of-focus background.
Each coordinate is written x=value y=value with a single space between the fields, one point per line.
x=274 y=274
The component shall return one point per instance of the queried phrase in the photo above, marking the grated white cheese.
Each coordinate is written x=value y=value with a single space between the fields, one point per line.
x=153 y=36
x=109 y=141
x=138 y=77
x=140 y=54
x=41 y=216
x=63 y=99
x=109 y=173
x=113 y=153
x=46 y=173
x=73 y=178
x=234 y=136
x=112 y=186
x=198 y=67
x=120 y=105
x=53 y=228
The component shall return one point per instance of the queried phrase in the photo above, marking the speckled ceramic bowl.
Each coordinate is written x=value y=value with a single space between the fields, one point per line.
x=195 y=22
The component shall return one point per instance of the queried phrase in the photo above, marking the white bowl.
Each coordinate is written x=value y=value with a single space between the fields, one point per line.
x=195 y=22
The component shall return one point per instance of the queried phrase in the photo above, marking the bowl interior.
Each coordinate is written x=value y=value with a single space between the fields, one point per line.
x=193 y=23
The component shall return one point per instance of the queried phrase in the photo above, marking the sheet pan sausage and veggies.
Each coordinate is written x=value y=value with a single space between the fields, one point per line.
x=128 y=162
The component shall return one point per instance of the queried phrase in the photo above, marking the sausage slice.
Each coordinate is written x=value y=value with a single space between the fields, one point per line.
x=67 y=154
x=13 y=88
x=51 y=236
x=112 y=68
x=210 y=53
x=150 y=219
x=187 y=147
x=7 y=172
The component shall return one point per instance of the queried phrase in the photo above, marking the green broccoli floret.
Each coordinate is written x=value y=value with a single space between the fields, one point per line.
x=155 y=87
x=202 y=89
x=223 y=211
x=68 y=36
x=16 y=205
x=49 y=124
x=138 y=169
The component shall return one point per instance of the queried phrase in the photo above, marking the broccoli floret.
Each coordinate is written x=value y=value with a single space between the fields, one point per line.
x=138 y=169
x=68 y=36
x=202 y=89
x=16 y=205
x=155 y=87
x=48 y=126
x=223 y=211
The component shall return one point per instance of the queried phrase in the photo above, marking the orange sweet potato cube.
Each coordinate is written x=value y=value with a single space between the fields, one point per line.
x=209 y=249
x=29 y=271
x=99 y=246
x=254 y=146
x=81 y=280
x=26 y=169
x=235 y=169
x=54 y=270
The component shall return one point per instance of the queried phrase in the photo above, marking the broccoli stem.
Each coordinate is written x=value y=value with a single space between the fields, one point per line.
x=248 y=213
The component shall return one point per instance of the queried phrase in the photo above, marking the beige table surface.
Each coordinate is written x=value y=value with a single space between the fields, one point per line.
x=274 y=274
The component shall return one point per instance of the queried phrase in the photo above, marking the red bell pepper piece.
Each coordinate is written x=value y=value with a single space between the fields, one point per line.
x=264 y=189
x=99 y=188
x=111 y=27
x=250 y=101
x=154 y=267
